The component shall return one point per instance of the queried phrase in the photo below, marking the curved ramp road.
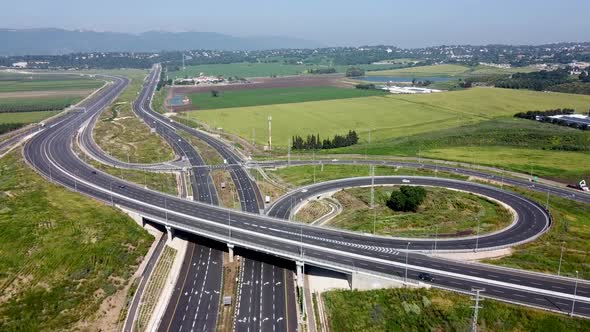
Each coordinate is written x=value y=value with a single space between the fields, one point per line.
x=568 y=193
x=49 y=152
x=533 y=219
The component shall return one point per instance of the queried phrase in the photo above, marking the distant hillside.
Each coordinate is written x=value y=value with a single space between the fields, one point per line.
x=58 y=41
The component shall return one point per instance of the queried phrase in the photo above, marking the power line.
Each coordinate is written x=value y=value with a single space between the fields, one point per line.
x=476 y=308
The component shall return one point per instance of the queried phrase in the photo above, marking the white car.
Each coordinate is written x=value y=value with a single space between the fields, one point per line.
x=406 y=181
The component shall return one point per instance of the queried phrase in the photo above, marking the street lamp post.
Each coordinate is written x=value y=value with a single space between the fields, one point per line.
x=560 y=259
x=575 y=291
x=229 y=222
x=477 y=237
x=407 y=251
x=435 y=237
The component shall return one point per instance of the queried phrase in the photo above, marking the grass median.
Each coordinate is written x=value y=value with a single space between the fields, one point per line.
x=119 y=132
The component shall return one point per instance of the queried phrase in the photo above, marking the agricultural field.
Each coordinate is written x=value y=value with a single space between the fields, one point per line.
x=10 y=82
x=63 y=256
x=26 y=117
x=261 y=69
x=448 y=70
x=388 y=116
x=8 y=105
x=256 y=97
x=404 y=309
x=422 y=125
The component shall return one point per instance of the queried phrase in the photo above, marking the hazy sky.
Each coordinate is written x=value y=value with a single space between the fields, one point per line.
x=331 y=22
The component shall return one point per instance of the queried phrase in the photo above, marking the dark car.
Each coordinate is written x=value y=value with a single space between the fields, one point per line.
x=122 y=186
x=93 y=172
x=425 y=276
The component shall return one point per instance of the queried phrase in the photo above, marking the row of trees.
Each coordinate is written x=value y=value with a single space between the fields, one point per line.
x=408 y=198
x=354 y=72
x=313 y=142
x=532 y=115
x=366 y=86
x=6 y=127
x=545 y=116
x=538 y=81
x=322 y=71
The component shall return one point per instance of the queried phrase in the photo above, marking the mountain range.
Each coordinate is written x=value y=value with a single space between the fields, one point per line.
x=53 y=41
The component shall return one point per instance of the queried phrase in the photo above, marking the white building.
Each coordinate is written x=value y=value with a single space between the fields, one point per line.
x=22 y=64
x=409 y=90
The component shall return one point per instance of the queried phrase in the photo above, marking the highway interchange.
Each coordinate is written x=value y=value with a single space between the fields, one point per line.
x=50 y=153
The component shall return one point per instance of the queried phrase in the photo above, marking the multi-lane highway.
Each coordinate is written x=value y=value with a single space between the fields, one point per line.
x=183 y=312
x=50 y=153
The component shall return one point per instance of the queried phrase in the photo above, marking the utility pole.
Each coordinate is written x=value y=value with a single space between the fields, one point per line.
x=575 y=292
x=269 y=133
x=477 y=237
x=372 y=174
x=289 y=153
x=435 y=237
x=407 y=251
x=476 y=308
x=314 y=165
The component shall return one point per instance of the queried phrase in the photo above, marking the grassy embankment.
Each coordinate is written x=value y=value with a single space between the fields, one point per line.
x=119 y=132
x=434 y=310
x=408 y=125
x=61 y=254
x=443 y=212
x=243 y=98
x=570 y=228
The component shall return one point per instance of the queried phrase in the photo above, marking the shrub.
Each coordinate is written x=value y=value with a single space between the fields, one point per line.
x=408 y=198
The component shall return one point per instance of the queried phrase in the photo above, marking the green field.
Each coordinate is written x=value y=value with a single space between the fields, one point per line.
x=386 y=116
x=242 y=98
x=559 y=165
x=37 y=103
x=26 y=117
x=46 y=83
x=448 y=70
x=61 y=254
x=259 y=69
x=408 y=310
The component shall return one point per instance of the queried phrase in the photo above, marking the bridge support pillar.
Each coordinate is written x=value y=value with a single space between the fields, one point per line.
x=300 y=266
x=170 y=232
x=230 y=248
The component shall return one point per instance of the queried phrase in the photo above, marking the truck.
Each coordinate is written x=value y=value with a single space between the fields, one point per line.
x=580 y=186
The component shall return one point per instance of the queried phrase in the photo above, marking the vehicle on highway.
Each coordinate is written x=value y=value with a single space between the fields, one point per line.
x=425 y=277
x=406 y=181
